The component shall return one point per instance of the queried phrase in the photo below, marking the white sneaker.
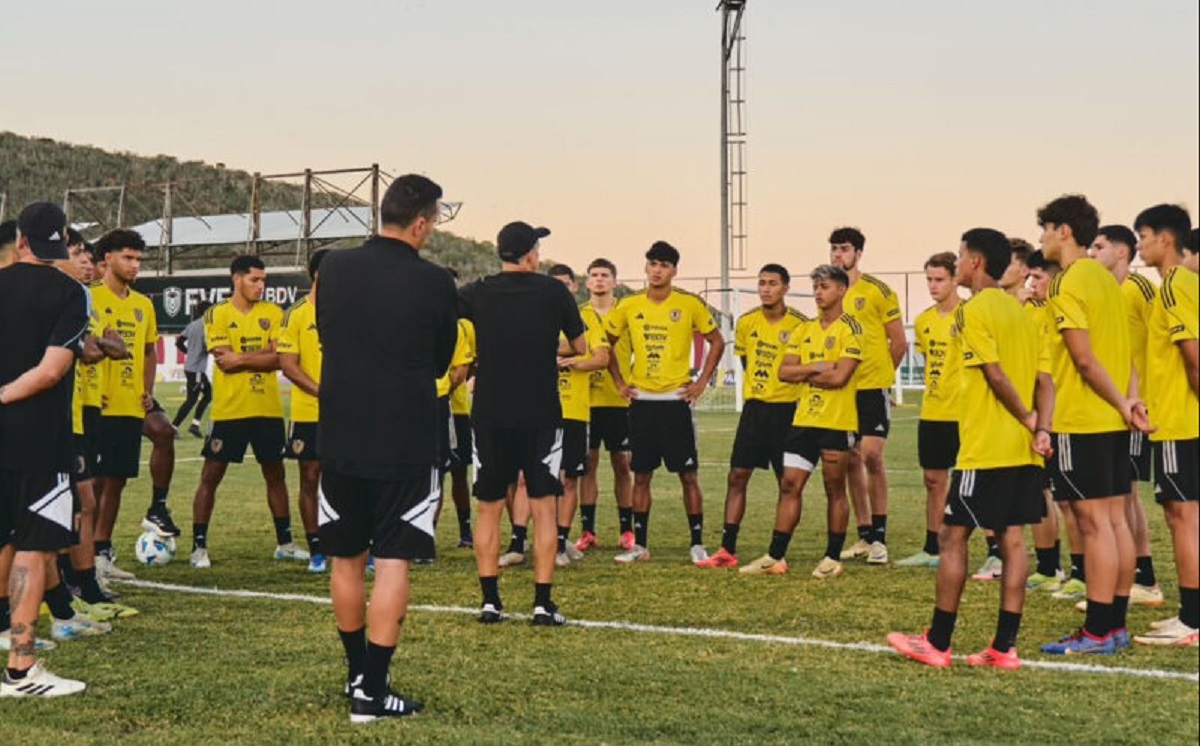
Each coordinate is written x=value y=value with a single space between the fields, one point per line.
x=1146 y=595
x=573 y=554
x=699 y=554
x=636 y=554
x=290 y=551
x=1174 y=633
x=38 y=682
x=991 y=569
x=78 y=626
x=106 y=567
x=562 y=559
x=857 y=550
x=200 y=559
x=39 y=644
x=827 y=568
x=511 y=559
x=877 y=554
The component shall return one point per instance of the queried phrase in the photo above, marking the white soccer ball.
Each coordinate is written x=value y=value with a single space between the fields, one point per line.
x=152 y=549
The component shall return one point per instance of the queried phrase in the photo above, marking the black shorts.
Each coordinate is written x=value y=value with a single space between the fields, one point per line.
x=1091 y=465
x=803 y=447
x=302 y=442
x=575 y=448
x=119 y=447
x=81 y=463
x=662 y=432
x=391 y=517
x=447 y=438
x=996 y=498
x=502 y=453
x=874 y=413
x=1139 y=456
x=227 y=440
x=762 y=430
x=91 y=435
x=38 y=510
x=464 y=441
x=610 y=426
x=1176 y=470
x=937 y=444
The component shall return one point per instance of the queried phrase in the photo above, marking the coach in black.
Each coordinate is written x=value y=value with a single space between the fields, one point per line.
x=519 y=317
x=388 y=324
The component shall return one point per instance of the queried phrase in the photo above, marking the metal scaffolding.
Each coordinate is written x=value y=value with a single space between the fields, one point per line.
x=733 y=143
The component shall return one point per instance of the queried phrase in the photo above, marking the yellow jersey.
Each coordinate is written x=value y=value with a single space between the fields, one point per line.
x=246 y=394
x=93 y=374
x=77 y=396
x=832 y=409
x=1138 y=294
x=762 y=345
x=1173 y=406
x=133 y=318
x=992 y=328
x=873 y=304
x=1086 y=296
x=661 y=337
x=299 y=337
x=604 y=390
x=937 y=340
x=464 y=354
x=574 y=387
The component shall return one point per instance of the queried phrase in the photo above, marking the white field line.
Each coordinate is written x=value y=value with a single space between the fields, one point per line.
x=864 y=647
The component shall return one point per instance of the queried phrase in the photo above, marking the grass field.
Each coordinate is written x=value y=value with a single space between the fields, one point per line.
x=205 y=668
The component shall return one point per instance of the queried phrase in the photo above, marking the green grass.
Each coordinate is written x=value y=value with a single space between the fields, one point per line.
x=200 y=668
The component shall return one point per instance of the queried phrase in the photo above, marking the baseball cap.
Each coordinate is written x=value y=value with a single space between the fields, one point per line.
x=44 y=226
x=518 y=239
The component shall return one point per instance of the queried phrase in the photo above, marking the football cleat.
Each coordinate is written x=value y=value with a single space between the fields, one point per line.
x=765 y=565
x=919 y=649
x=858 y=550
x=828 y=568
x=635 y=554
x=721 y=559
x=38 y=682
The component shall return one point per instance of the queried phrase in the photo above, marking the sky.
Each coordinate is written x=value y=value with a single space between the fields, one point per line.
x=913 y=121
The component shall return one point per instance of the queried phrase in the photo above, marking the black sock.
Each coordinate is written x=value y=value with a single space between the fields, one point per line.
x=562 y=538
x=1077 y=567
x=490 y=586
x=66 y=570
x=865 y=532
x=942 y=629
x=355 y=645
x=103 y=547
x=517 y=541
x=5 y=620
x=1006 y=631
x=16 y=674
x=696 y=526
x=283 y=530
x=1120 y=611
x=625 y=518
x=779 y=544
x=833 y=545
x=587 y=517
x=1046 y=561
x=993 y=546
x=158 y=497
x=541 y=594
x=1189 y=607
x=58 y=599
x=1057 y=557
x=464 y=522
x=1099 y=619
x=641 y=528
x=375 y=669
x=314 y=544
x=89 y=590
x=1144 y=574
x=879 y=528
x=729 y=536
x=931 y=543
x=199 y=537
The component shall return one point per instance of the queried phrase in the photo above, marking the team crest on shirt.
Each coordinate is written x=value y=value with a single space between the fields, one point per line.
x=137 y=314
x=676 y=315
x=80 y=464
x=830 y=342
x=783 y=336
x=215 y=445
x=953 y=330
x=264 y=324
x=860 y=303
x=297 y=446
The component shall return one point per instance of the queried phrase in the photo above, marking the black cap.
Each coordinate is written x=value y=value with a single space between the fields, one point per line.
x=44 y=226
x=518 y=239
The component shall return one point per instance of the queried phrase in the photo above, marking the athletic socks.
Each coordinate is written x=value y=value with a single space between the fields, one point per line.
x=283 y=530
x=865 y=532
x=641 y=528
x=564 y=533
x=158 y=497
x=1006 y=631
x=942 y=629
x=1120 y=608
x=1047 y=561
x=375 y=669
x=103 y=547
x=833 y=545
x=1144 y=574
x=879 y=528
x=1077 y=567
x=5 y=620
x=314 y=544
x=541 y=594
x=516 y=542
x=779 y=544
x=931 y=543
x=58 y=599
x=1099 y=620
x=199 y=537
x=587 y=516
x=89 y=589
x=464 y=522
x=355 y=645
x=491 y=590
x=729 y=537
x=696 y=526
x=66 y=571
x=993 y=546
x=625 y=518
x=1189 y=607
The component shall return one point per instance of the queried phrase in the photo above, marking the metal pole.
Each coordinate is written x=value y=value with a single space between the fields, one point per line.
x=725 y=41
x=168 y=232
x=255 y=212
x=306 y=213
x=121 y=208
x=374 y=198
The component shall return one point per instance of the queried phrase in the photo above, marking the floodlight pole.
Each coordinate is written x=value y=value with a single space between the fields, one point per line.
x=731 y=21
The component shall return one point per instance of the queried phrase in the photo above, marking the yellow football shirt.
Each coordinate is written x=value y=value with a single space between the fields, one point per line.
x=661 y=337
x=762 y=345
x=992 y=328
x=464 y=354
x=873 y=304
x=1138 y=294
x=299 y=337
x=832 y=409
x=937 y=340
x=1086 y=296
x=133 y=318
x=246 y=394
x=1173 y=406
x=574 y=387
x=77 y=396
x=93 y=374
x=604 y=390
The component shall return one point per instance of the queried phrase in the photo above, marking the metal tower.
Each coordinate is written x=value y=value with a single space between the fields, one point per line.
x=733 y=144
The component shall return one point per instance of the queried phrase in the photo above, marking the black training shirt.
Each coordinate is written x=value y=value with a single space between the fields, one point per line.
x=40 y=307
x=388 y=324
x=518 y=317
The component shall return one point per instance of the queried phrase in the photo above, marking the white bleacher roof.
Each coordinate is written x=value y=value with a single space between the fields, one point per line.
x=285 y=225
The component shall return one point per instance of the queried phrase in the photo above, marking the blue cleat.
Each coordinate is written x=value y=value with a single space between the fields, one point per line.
x=1082 y=643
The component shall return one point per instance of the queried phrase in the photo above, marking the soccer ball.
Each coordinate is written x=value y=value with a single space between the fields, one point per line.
x=152 y=549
